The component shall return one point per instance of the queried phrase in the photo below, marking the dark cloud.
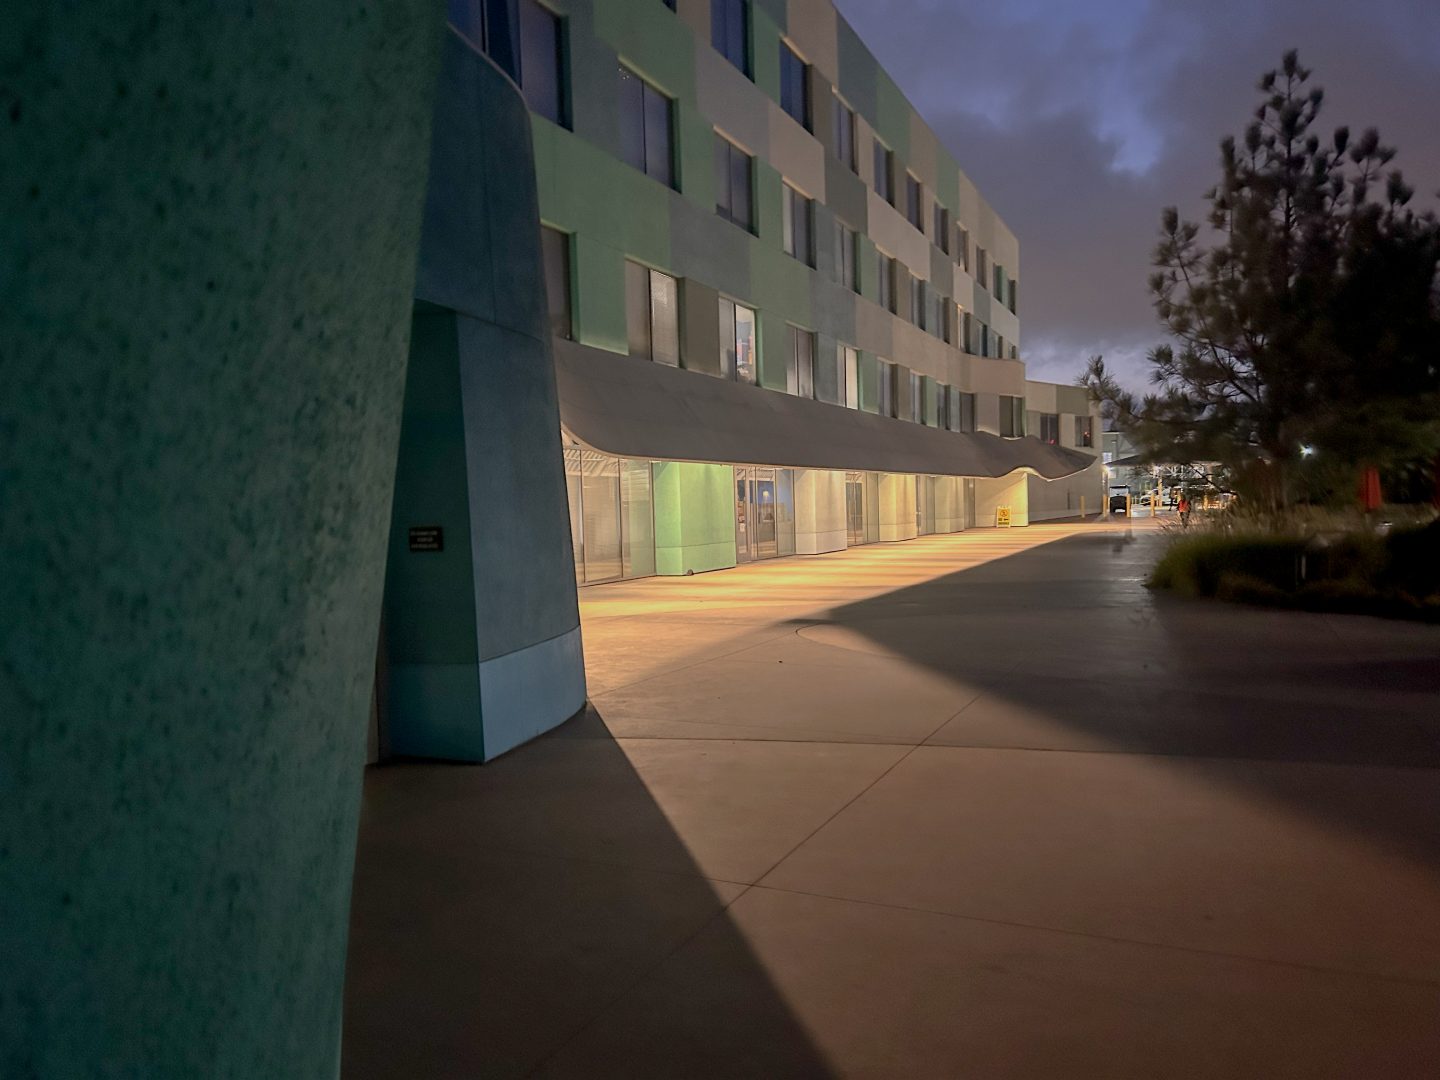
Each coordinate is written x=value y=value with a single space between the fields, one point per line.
x=1081 y=121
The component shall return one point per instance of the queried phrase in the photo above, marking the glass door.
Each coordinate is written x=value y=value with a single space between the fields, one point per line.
x=854 y=508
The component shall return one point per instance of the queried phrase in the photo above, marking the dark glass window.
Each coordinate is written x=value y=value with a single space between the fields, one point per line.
x=967 y=412
x=1084 y=431
x=733 y=180
x=645 y=126
x=794 y=86
x=845 y=247
x=800 y=369
x=887 y=388
x=917 y=408
x=487 y=25
x=917 y=301
x=652 y=314
x=555 y=248
x=1050 y=428
x=942 y=406
x=738 y=359
x=541 y=63
x=962 y=247
x=942 y=228
x=1012 y=416
x=845 y=135
x=884 y=169
x=914 y=199
x=796 y=215
x=730 y=31
x=887 y=281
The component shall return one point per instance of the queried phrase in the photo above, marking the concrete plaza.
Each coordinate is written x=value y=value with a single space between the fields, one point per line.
x=971 y=806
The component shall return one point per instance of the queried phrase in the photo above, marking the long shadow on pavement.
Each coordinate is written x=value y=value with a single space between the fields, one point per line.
x=499 y=911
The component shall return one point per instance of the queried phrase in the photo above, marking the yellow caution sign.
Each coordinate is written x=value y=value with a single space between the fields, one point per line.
x=1002 y=517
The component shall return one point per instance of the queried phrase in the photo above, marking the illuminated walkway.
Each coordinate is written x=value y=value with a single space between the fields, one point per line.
x=968 y=806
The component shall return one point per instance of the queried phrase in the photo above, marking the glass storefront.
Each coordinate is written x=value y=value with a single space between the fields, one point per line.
x=926 y=500
x=612 y=516
x=862 y=508
x=764 y=513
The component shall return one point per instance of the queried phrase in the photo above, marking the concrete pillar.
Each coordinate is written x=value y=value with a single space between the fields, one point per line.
x=897 y=507
x=212 y=216
x=1012 y=491
x=819 y=511
x=694 y=517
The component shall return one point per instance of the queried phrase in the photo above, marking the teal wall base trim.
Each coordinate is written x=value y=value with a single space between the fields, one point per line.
x=435 y=712
x=527 y=692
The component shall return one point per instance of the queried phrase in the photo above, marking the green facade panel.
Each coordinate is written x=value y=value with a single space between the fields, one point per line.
x=694 y=517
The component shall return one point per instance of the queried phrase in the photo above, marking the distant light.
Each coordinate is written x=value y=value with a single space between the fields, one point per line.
x=1307 y=451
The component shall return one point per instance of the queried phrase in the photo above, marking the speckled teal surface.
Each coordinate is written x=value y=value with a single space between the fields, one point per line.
x=209 y=215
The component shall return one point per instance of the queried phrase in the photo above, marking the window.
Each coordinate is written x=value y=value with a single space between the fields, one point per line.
x=652 y=314
x=917 y=301
x=486 y=24
x=984 y=340
x=555 y=248
x=917 y=409
x=914 y=200
x=846 y=244
x=730 y=31
x=887 y=281
x=967 y=412
x=850 y=361
x=800 y=362
x=797 y=212
x=1085 y=432
x=936 y=307
x=999 y=288
x=962 y=247
x=794 y=86
x=1014 y=353
x=645 y=127
x=884 y=172
x=670 y=4
x=845 y=135
x=733 y=180
x=942 y=228
x=967 y=332
x=737 y=342
x=942 y=406
x=887 y=388
x=982 y=264
x=1014 y=289
x=1050 y=428
x=1012 y=416
x=541 y=81
x=1000 y=346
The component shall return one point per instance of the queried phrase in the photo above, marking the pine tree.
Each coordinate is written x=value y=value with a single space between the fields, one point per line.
x=1307 y=316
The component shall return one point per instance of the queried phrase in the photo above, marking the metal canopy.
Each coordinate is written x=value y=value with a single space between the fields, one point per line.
x=638 y=409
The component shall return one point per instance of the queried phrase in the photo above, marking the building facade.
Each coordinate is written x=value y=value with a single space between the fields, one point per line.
x=763 y=268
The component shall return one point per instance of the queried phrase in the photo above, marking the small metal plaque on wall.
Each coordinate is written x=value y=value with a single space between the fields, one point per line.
x=427 y=538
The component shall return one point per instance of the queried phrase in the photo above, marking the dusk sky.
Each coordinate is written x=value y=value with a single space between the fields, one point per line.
x=1079 y=121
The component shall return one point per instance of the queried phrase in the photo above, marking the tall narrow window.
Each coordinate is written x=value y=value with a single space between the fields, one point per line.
x=1050 y=428
x=942 y=228
x=794 y=86
x=999 y=286
x=730 y=31
x=645 y=127
x=738 y=359
x=796 y=214
x=962 y=247
x=917 y=301
x=845 y=135
x=982 y=267
x=1084 y=431
x=984 y=340
x=887 y=388
x=942 y=406
x=652 y=314
x=967 y=412
x=884 y=172
x=967 y=332
x=733 y=183
x=1000 y=346
x=800 y=363
x=541 y=80
x=850 y=375
x=914 y=201
x=555 y=248
x=1014 y=290
x=917 y=409
x=887 y=281
x=845 y=247
x=1012 y=416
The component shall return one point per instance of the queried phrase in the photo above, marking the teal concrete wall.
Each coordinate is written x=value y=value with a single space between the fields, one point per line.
x=209 y=215
x=480 y=451
x=694 y=517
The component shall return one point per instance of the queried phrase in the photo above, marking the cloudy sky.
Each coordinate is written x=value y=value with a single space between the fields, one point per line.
x=1081 y=119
